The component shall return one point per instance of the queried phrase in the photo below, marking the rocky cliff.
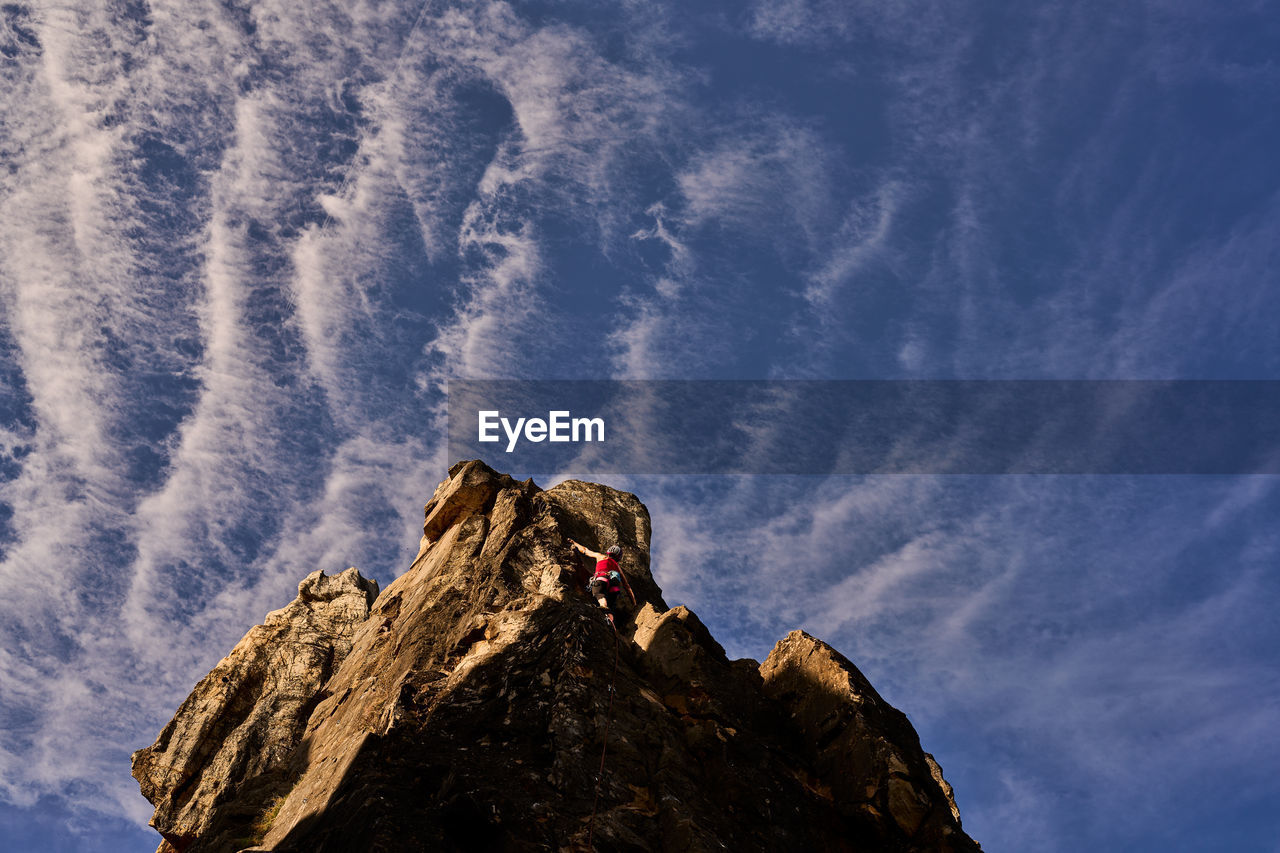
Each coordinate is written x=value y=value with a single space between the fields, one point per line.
x=472 y=704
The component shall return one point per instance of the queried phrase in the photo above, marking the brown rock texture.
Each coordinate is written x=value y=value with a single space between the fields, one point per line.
x=865 y=747
x=226 y=749
x=479 y=695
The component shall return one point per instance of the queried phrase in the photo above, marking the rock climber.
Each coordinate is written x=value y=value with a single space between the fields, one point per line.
x=608 y=579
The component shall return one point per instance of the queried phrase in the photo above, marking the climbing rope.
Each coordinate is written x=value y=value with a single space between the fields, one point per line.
x=604 y=747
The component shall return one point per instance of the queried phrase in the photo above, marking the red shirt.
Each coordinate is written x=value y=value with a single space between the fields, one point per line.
x=603 y=567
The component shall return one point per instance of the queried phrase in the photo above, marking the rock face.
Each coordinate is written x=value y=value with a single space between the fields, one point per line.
x=865 y=748
x=227 y=748
x=483 y=688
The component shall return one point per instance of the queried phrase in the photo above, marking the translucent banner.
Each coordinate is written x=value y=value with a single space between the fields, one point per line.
x=868 y=427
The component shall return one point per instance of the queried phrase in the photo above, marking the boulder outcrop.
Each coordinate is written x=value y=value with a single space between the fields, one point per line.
x=226 y=749
x=865 y=749
x=484 y=692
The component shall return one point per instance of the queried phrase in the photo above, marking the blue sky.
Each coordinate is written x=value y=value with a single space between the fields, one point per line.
x=244 y=245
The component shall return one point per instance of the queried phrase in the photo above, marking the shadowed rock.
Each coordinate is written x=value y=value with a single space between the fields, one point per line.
x=472 y=709
x=865 y=748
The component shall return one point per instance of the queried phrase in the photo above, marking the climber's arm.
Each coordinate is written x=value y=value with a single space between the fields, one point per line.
x=592 y=554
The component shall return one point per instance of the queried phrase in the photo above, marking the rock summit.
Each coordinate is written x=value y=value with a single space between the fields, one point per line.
x=469 y=706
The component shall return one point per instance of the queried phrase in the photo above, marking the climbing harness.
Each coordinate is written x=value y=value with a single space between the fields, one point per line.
x=604 y=747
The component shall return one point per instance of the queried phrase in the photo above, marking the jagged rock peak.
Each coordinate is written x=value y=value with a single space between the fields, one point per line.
x=478 y=697
x=863 y=745
x=231 y=738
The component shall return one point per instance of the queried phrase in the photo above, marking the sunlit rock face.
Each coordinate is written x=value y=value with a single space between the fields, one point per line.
x=228 y=747
x=469 y=707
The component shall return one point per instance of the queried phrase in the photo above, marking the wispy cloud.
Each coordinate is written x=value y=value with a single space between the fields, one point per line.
x=1051 y=614
x=251 y=221
x=243 y=249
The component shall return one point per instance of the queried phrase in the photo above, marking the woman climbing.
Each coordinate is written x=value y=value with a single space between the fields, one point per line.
x=608 y=579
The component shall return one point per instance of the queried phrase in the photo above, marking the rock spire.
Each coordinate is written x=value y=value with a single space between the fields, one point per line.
x=465 y=708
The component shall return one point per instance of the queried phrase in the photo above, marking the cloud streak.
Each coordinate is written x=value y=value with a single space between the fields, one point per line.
x=244 y=248
x=213 y=257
